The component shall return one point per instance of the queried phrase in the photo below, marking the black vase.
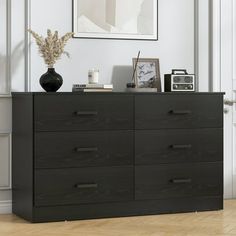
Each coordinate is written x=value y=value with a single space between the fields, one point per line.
x=51 y=81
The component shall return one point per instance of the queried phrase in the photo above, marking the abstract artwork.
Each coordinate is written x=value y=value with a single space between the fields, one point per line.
x=115 y=19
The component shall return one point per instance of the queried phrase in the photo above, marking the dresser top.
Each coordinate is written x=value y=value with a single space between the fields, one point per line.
x=115 y=93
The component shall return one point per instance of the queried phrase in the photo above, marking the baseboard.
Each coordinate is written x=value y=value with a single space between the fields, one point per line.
x=5 y=207
x=234 y=188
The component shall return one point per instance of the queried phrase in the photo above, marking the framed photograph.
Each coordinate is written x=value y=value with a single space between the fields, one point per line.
x=116 y=19
x=147 y=74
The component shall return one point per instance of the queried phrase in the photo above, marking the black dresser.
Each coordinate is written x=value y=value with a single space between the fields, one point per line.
x=83 y=156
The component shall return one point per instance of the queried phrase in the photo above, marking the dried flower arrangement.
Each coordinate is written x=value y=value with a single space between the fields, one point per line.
x=52 y=47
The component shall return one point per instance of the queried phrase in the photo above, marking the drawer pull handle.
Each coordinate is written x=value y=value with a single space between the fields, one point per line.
x=86 y=186
x=180 y=112
x=181 y=181
x=93 y=149
x=86 y=113
x=184 y=146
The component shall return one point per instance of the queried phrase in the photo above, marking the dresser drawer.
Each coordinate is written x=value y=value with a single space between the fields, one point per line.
x=83 y=185
x=178 y=180
x=83 y=112
x=84 y=148
x=178 y=111
x=175 y=146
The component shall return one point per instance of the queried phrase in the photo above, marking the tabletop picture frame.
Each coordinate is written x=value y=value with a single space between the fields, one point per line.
x=116 y=19
x=147 y=73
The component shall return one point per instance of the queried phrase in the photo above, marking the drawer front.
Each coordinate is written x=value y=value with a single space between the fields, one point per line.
x=175 y=146
x=178 y=111
x=83 y=112
x=86 y=185
x=84 y=148
x=178 y=180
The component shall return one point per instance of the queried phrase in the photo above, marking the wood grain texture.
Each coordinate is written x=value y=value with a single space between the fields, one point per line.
x=178 y=146
x=178 y=111
x=178 y=180
x=96 y=148
x=60 y=186
x=22 y=156
x=60 y=113
x=126 y=208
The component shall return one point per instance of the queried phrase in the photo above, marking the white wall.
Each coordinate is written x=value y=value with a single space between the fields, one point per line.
x=175 y=46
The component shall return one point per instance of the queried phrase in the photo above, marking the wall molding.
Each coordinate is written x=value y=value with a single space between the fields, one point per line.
x=196 y=42
x=27 y=46
x=9 y=186
x=5 y=207
x=8 y=75
x=215 y=43
x=202 y=44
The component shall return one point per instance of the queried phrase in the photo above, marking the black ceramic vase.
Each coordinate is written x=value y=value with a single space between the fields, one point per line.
x=51 y=81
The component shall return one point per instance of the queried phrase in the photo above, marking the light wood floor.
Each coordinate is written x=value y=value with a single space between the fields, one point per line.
x=193 y=224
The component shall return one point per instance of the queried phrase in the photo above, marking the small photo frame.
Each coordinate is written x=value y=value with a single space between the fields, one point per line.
x=147 y=74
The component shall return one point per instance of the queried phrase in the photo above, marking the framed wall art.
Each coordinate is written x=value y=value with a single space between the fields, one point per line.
x=147 y=73
x=116 y=19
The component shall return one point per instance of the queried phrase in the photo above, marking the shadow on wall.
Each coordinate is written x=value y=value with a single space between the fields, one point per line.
x=121 y=75
x=16 y=55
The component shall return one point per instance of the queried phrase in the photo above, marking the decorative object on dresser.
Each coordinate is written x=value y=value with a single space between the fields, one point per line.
x=132 y=85
x=51 y=81
x=116 y=154
x=180 y=81
x=147 y=73
x=93 y=76
x=51 y=48
x=116 y=19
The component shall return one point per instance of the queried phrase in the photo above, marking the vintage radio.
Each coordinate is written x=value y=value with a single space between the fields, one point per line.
x=179 y=81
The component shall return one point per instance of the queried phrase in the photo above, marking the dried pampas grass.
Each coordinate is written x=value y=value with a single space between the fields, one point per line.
x=52 y=47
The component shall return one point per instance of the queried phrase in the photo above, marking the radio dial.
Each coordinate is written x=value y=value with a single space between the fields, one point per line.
x=176 y=86
x=190 y=86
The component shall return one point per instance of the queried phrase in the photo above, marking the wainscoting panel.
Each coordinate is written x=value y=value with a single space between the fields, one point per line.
x=5 y=115
x=5 y=161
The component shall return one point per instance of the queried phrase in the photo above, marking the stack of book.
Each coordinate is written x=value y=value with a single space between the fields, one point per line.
x=92 y=88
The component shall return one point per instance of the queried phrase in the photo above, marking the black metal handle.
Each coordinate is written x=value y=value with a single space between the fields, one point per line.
x=89 y=149
x=182 y=146
x=86 y=186
x=179 y=70
x=181 y=181
x=180 y=112
x=86 y=113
